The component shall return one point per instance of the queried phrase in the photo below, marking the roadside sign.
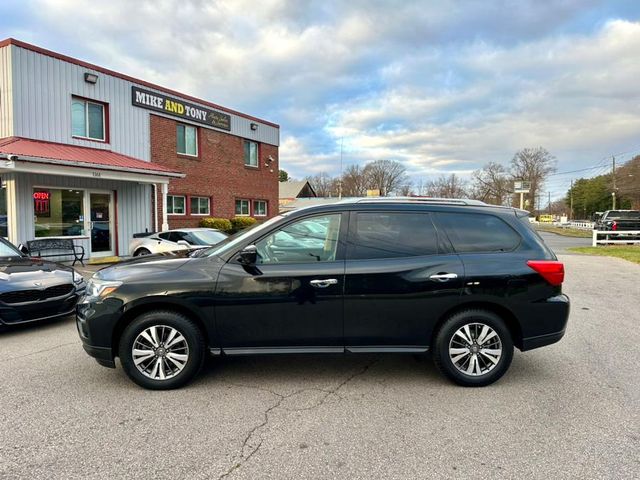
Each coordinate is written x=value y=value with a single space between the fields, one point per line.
x=521 y=186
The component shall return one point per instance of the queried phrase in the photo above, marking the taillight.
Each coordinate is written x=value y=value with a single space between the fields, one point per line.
x=551 y=270
x=614 y=225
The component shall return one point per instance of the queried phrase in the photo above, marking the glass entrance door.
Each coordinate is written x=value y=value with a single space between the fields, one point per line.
x=100 y=207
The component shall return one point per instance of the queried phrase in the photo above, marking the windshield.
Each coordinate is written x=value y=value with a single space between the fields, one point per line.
x=207 y=237
x=237 y=238
x=635 y=215
x=8 y=250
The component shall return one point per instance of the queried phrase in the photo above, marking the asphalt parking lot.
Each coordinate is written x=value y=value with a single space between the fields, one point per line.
x=571 y=410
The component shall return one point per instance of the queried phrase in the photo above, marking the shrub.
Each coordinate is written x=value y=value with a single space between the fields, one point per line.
x=238 y=223
x=218 y=223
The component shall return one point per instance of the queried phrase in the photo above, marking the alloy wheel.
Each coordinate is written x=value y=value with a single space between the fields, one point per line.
x=475 y=349
x=160 y=352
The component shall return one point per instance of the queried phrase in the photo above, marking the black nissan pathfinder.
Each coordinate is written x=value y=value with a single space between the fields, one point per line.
x=462 y=279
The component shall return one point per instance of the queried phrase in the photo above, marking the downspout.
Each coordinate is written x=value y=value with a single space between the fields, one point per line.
x=155 y=206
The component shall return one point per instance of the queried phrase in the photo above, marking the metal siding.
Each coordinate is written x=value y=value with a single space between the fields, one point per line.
x=42 y=106
x=6 y=96
x=134 y=205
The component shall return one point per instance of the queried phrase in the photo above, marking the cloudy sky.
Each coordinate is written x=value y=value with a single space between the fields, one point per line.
x=441 y=86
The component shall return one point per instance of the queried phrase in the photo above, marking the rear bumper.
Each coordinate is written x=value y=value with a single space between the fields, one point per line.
x=551 y=317
x=541 y=340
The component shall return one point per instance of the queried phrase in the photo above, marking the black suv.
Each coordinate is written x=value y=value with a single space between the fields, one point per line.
x=463 y=279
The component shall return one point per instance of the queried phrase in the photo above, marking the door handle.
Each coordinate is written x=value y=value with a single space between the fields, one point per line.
x=323 y=283
x=444 y=277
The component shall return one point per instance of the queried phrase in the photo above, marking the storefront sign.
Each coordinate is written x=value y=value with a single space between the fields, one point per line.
x=41 y=195
x=178 y=108
x=41 y=203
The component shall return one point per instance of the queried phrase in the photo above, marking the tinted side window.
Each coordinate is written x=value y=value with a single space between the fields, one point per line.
x=313 y=239
x=165 y=235
x=478 y=232
x=390 y=235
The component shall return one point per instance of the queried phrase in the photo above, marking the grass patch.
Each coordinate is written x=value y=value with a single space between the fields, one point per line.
x=566 y=232
x=631 y=253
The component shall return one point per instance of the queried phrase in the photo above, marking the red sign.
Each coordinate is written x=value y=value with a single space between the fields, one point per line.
x=41 y=204
x=41 y=195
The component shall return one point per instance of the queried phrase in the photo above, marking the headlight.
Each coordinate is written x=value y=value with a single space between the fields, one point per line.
x=97 y=289
x=77 y=278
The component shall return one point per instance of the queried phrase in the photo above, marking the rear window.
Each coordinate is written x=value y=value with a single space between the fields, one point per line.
x=478 y=232
x=391 y=235
x=624 y=215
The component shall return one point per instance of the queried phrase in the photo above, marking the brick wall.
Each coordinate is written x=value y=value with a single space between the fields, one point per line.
x=218 y=172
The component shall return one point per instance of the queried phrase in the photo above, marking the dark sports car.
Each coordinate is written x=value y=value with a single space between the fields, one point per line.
x=33 y=289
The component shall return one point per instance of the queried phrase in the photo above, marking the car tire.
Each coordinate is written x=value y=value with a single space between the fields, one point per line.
x=141 y=251
x=473 y=348
x=162 y=350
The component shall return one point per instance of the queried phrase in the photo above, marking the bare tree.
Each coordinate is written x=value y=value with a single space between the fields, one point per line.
x=420 y=187
x=451 y=186
x=354 y=182
x=628 y=182
x=386 y=175
x=533 y=165
x=406 y=189
x=558 y=207
x=491 y=184
x=324 y=185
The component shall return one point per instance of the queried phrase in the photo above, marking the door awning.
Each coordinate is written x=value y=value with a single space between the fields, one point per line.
x=36 y=156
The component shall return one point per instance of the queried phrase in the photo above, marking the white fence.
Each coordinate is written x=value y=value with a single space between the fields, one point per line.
x=584 y=225
x=578 y=224
x=615 y=237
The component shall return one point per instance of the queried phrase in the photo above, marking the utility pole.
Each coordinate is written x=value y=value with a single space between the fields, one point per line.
x=613 y=194
x=340 y=182
x=571 y=201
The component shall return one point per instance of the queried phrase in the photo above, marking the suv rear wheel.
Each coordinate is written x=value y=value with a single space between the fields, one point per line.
x=161 y=350
x=473 y=348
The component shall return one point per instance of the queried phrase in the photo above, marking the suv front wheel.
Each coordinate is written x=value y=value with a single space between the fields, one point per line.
x=161 y=350
x=473 y=348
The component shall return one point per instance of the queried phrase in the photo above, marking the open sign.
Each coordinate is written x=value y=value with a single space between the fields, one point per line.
x=41 y=195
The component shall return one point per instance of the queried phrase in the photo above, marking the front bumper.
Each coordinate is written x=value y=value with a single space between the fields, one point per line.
x=96 y=323
x=14 y=314
x=102 y=355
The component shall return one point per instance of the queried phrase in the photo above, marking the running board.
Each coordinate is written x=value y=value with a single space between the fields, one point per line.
x=301 y=350
x=389 y=349
x=279 y=350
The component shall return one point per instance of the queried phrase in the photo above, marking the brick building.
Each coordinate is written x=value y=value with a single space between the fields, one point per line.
x=95 y=155
x=219 y=175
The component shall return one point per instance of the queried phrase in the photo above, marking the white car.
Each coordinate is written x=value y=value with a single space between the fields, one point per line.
x=174 y=240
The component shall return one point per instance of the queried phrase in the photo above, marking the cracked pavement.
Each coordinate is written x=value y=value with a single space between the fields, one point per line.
x=570 y=410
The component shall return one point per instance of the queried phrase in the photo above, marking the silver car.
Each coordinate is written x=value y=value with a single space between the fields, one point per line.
x=174 y=240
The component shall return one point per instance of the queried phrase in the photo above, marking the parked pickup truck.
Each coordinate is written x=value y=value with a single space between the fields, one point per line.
x=618 y=220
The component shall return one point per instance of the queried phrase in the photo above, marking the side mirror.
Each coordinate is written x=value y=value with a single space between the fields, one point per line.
x=23 y=250
x=248 y=255
x=184 y=243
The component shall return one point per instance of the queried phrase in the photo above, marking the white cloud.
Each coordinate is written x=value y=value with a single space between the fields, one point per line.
x=441 y=86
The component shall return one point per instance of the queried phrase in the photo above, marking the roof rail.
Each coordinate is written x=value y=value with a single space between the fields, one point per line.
x=442 y=201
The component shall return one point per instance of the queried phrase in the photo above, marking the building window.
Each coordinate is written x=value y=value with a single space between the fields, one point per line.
x=200 y=205
x=187 y=140
x=87 y=119
x=260 y=208
x=242 y=207
x=250 y=153
x=58 y=212
x=175 y=205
